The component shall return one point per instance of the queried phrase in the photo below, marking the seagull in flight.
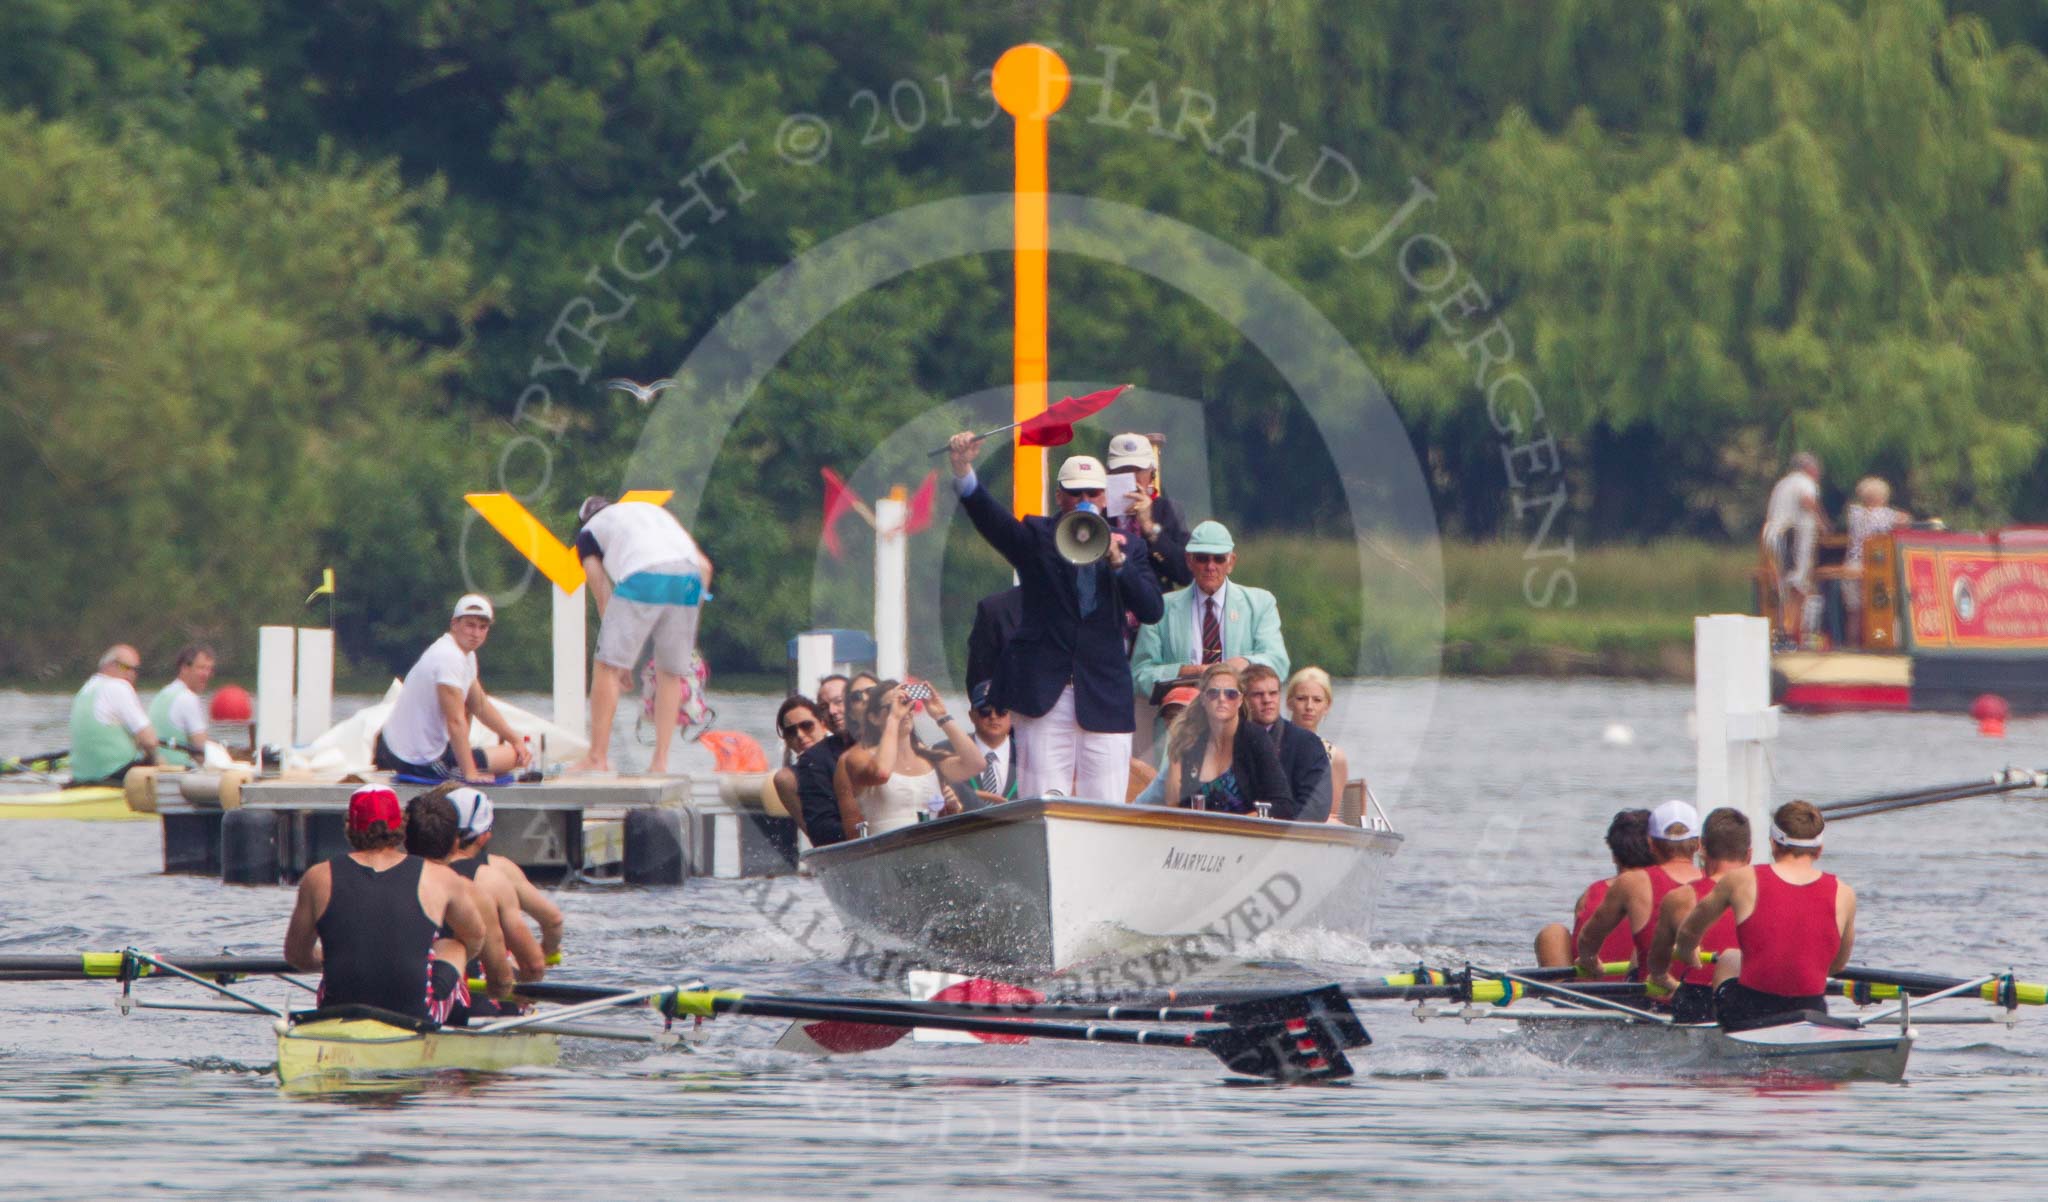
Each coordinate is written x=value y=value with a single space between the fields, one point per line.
x=643 y=393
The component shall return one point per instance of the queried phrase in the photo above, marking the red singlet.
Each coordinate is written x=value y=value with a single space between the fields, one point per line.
x=1719 y=937
x=1789 y=941
x=1619 y=942
x=1660 y=885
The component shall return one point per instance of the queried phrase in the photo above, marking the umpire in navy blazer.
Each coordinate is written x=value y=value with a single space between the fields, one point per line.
x=1064 y=673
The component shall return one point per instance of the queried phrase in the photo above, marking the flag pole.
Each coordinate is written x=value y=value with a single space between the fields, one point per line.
x=1030 y=82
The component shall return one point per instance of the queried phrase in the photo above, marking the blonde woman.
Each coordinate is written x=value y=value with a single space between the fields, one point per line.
x=1214 y=754
x=890 y=776
x=1309 y=697
x=1864 y=518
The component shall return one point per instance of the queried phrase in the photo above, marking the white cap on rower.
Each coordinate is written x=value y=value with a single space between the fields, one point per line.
x=472 y=812
x=474 y=605
x=1674 y=821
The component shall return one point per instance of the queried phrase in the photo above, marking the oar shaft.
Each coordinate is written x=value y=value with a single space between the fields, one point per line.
x=96 y=965
x=2000 y=783
x=1916 y=984
x=781 y=1008
x=1859 y=809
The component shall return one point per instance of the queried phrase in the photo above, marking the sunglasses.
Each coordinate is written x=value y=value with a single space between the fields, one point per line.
x=989 y=711
x=799 y=728
x=1086 y=494
x=1205 y=557
x=859 y=694
x=1221 y=694
x=127 y=667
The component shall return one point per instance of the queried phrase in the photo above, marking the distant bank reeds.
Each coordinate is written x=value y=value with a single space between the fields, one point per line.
x=1631 y=616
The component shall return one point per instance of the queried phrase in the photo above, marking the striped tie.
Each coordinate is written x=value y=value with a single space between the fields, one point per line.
x=990 y=781
x=1212 y=634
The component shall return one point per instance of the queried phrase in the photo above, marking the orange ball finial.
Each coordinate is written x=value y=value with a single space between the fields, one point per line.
x=1031 y=82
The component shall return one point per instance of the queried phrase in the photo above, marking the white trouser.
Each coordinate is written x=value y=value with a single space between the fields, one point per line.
x=1055 y=755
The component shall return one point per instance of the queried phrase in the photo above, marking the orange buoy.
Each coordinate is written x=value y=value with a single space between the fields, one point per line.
x=1990 y=711
x=732 y=751
x=231 y=704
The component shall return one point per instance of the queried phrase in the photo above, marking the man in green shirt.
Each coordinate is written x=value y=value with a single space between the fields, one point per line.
x=109 y=731
x=179 y=711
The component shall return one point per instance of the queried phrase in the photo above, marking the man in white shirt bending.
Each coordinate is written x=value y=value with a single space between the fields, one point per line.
x=110 y=733
x=1793 y=524
x=648 y=577
x=426 y=735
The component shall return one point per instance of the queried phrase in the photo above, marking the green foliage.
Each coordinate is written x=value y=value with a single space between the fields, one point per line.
x=279 y=275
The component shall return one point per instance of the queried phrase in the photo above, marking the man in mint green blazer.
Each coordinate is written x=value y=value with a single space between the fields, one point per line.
x=1213 y=620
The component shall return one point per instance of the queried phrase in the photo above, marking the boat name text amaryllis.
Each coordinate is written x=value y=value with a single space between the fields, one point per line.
x=1189 y=861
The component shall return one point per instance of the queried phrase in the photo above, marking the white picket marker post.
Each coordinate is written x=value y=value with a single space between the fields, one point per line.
x=315 y=708
x=274 y=647
x=813 y=662
x=570 y=684
x=892 y=587
x=1735 y=720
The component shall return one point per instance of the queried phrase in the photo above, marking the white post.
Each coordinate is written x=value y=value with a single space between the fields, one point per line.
x=570 y=687
x=316 y=683
x=813 y=662
x=1735 y=720
x=274 y=687
x=892 y=587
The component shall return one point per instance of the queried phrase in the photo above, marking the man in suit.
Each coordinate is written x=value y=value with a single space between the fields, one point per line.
x=1216 y=620
x=1063 y=675
x=996 y=618
x=1302 y=754
x=993 y=749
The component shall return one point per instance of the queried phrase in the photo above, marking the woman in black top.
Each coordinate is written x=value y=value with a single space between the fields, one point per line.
x=1215 y=755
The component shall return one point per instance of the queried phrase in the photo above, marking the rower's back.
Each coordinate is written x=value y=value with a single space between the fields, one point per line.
x=375 y=938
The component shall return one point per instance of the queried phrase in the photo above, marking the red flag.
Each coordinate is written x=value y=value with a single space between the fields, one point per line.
x=1055 y=427
x=920 y=515
x=838 y=500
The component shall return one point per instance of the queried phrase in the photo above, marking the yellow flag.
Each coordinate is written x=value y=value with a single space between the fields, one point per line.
x=326 y=588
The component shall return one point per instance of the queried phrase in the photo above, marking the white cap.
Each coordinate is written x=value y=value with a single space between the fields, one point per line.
x=1675 y=821
x=475 y=605
x=1131 y=450
x=1083 y=471
x=472 y=812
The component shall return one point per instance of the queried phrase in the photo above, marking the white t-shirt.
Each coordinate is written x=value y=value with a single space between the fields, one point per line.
x=1787 y=510
x=114 y=703
x=415 y=731
x=636 y=536
x=188 y=712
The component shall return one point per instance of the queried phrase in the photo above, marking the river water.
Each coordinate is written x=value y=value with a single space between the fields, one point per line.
x=1509 y=791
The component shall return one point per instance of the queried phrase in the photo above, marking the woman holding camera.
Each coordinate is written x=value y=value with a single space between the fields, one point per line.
x=890 y=776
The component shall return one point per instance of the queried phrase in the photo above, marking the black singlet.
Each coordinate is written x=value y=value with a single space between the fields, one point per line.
x=466 y=869
x=374 y=938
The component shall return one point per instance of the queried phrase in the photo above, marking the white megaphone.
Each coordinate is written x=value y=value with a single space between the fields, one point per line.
x=1082 y=535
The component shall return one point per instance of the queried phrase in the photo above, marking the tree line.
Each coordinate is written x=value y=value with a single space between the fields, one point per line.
x=278 y=275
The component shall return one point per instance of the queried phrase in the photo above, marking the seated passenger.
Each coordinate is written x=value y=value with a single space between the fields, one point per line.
x=890 y=776
x=800 y=728
x=1866 y=517
x=1309 y=698
x=1170 y=709
x=1299 y=751
x=1216 y=759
